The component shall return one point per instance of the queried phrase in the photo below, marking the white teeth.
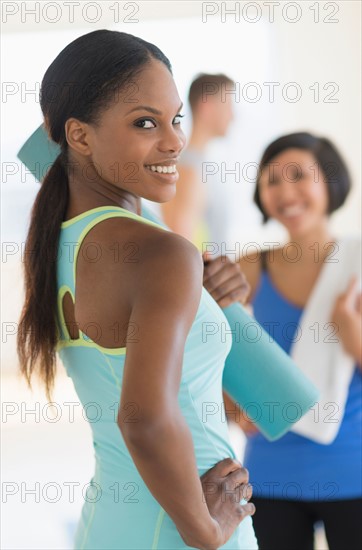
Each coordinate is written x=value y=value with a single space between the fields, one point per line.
x=163 y=169
x=291 y=211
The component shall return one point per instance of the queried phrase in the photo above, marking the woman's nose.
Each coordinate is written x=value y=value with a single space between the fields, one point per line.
x=173 y=140
x=288 y=189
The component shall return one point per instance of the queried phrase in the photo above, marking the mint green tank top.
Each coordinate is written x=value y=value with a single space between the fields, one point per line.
x=119 y=511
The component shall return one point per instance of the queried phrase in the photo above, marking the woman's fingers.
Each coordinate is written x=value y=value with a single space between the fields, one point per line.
x=239 y=493
x=246 y=491
x=234 y=294
x=221 y=470
x=238 y=477
x=226 y=467
x=349 y=296
x=247 y=509
x=216 y=272
x=225 y=281
x=231 y=478
x=359 y=303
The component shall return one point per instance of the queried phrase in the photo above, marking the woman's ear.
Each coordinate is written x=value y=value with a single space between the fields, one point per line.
x=77 y=136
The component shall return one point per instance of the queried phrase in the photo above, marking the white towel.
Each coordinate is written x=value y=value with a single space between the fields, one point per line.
x=319 y=353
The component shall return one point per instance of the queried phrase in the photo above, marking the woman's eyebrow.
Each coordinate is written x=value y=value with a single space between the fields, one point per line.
x=149 y=109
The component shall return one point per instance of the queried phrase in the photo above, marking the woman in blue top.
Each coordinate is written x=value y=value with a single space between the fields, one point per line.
x=120 y=298
x=297 y=481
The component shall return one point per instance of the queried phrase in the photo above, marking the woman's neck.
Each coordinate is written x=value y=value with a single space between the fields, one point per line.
x=85 y=195
x=313 y=245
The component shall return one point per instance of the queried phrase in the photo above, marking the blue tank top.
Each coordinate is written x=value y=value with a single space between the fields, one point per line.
x=120 y=512
x=294 y=467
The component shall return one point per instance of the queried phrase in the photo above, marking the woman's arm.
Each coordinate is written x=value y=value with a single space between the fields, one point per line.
x=237 y=415
x=164 y=306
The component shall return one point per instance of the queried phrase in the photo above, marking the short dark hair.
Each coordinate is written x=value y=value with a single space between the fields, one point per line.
x=199 y=85
x=328 y=157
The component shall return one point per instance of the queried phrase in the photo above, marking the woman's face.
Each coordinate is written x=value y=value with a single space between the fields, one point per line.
x=137 y=142
x=293 y=191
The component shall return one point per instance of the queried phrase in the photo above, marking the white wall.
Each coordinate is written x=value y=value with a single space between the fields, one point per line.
x=321 y=52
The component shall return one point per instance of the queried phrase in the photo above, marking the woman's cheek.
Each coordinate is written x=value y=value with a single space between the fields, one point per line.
x=266 y=200
x=319 y=194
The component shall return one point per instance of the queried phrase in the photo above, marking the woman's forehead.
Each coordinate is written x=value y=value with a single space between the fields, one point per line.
x=292 y=158
x=292 y=154
x=153 y=84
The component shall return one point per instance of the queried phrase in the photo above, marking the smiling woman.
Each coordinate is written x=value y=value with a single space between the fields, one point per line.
x=143 y=292
x=313 y=473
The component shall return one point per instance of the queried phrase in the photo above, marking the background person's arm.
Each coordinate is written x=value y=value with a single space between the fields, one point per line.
x=347 y=315
x=183 y=212
x=164 y=307
x=237 y=415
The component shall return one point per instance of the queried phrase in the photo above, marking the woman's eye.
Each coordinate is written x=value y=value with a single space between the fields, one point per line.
x=297 y=176
x=177 y=119
x=145 y=123
x=148 y=123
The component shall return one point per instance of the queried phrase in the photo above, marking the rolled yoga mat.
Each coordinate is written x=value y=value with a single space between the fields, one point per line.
x=258 y=374
x=262 y=378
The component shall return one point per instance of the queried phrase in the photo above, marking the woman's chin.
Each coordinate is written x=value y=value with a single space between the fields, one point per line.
x=295 y=226
x=299 y=230
x=160 y=197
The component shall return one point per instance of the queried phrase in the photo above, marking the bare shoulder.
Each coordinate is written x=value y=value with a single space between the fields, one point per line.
x=178 y=249
x=124 y=240
x=147 y=248
x=168 y=282
x=175 y=265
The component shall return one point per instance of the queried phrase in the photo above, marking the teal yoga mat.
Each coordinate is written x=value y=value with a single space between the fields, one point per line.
x=262 y=378
x=38 y=153
x=258 y=374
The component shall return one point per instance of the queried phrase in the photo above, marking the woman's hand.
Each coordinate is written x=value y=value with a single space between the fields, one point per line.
x=347 y=315
x=224 y=280
x=224 y=486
